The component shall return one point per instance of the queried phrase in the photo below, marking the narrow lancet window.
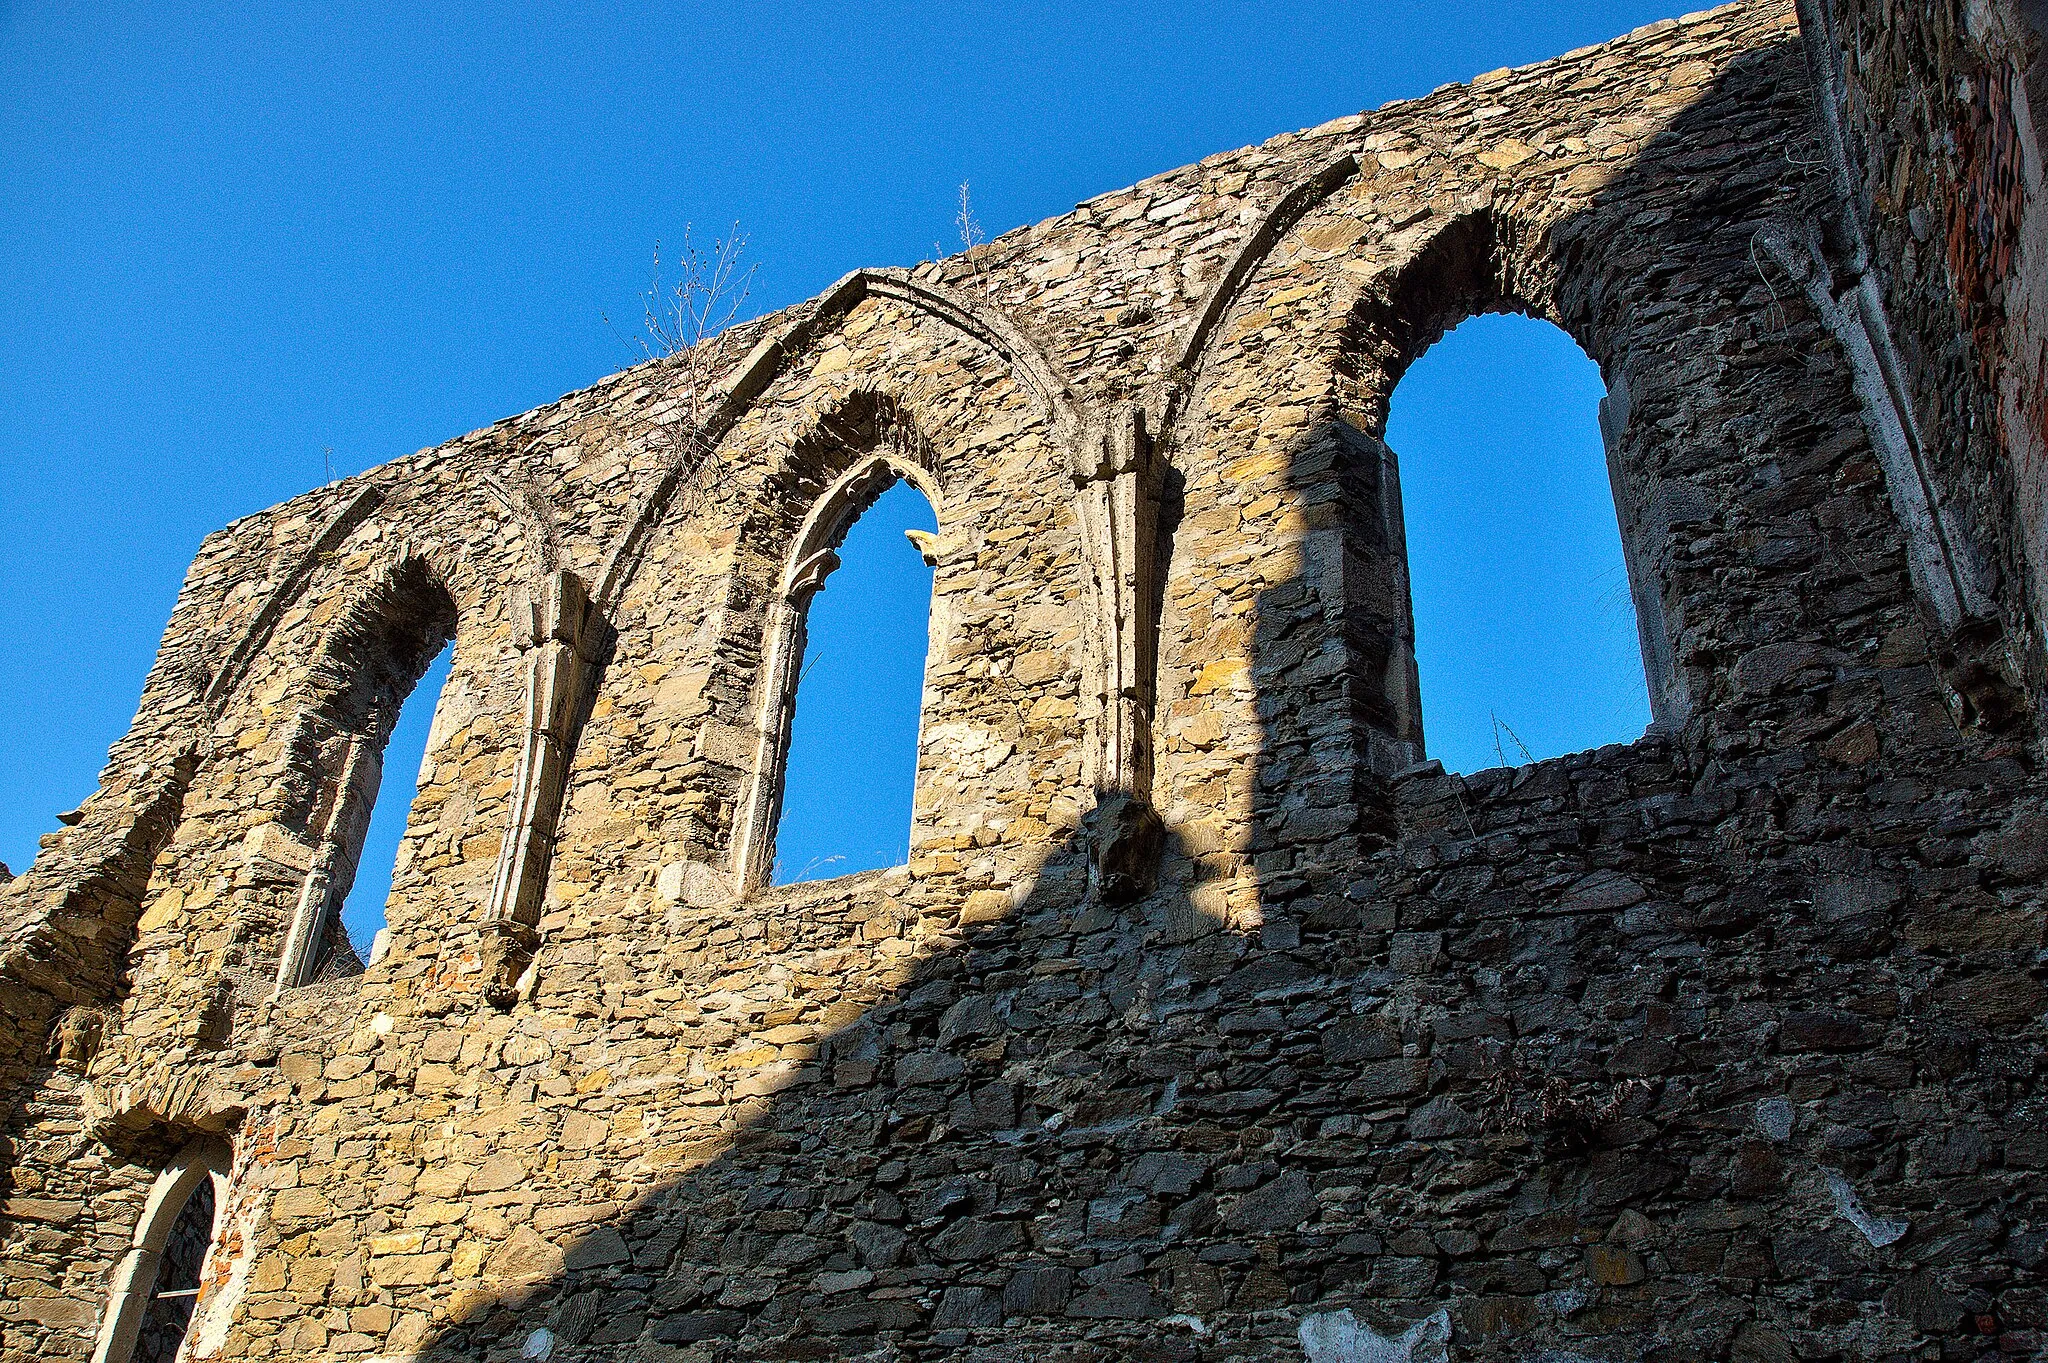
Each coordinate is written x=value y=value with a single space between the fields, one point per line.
x=1526 y=636
x=362 y=913
x=157 y=1284
x=176 y=1291
x=379 y=681
x=852 y=764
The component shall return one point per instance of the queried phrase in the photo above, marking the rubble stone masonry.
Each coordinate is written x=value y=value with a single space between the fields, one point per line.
x=1208 y=1019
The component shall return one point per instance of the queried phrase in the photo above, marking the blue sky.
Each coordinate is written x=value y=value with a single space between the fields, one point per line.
x=853 y=746
x=239 y=237
x=1525 y=635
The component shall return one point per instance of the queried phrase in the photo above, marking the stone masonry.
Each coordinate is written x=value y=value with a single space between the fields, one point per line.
x=1208 y=1020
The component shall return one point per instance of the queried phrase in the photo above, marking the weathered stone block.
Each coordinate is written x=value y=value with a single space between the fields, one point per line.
x=1038 y=1290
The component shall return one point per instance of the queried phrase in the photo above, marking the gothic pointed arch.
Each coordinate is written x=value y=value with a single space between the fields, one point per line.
x=373 y=653
x=1281 y=218
x=1481 y=260
x=158 y=1282
x=1038 y=373
x=858 y=451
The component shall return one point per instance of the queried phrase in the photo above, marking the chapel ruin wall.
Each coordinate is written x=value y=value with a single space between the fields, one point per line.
x=1207 y=1019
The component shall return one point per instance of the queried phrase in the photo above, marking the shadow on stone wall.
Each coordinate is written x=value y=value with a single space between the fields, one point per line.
x=1486 y=1068
x=1092 y=1131
x=1138 y=1132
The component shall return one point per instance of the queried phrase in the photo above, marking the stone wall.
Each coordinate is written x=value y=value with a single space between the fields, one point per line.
x=1938 y=114
x=1208 y=1019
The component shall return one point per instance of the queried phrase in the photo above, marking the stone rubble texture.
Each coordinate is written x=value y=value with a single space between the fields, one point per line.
x=1205 y=1011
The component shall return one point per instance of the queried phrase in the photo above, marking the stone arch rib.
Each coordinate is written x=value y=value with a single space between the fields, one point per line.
x=528 y=507
x=1041 y=376
x=1467 y=267
x=1041 y=373
x=339 y=527
x=1288 y=210
x=395 y=622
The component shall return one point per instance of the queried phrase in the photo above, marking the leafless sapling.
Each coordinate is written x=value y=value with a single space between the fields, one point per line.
x=687 y=324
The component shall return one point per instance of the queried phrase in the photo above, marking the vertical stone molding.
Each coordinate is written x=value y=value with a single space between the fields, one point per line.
x=1116 y=474
x=563 y=637
x=1936 y=256
x=1670 y=700
x=1378 y=612
x=1942 y=561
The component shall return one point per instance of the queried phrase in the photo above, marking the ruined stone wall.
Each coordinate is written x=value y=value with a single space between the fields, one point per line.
x=1939 y=113
x=1208 y=1019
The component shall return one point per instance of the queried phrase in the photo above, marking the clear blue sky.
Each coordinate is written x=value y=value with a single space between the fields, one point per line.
x=1522 y=608
x=853 y=749
x=236 y=236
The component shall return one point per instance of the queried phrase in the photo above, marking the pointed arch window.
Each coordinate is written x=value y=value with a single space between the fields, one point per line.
x=834 y=790
x=366 y=688
x=360 y=905
x=159 y=1281
x=1532 y=587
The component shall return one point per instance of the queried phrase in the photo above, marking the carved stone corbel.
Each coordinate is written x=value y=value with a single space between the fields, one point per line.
x=931 y=546
x=504 y=954
x=76 y=1038
x=1117 y=474
x=1125 y=838
x=563 y=636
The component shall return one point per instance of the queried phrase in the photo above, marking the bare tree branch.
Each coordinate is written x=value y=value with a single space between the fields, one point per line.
x=971 y=234
x=686 y=324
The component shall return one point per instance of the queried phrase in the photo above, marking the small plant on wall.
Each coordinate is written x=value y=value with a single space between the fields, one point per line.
x=688 y=310
x=1560 y=1117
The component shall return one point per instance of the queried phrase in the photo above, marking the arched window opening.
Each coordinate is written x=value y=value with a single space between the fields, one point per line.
x=362 y=910
x=157 y=1283
x=176 y=1290
x=860 y=644
x=365 y=687
x=1526 y=637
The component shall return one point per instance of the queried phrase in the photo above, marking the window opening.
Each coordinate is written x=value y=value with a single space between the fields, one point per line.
x=851 y=773
x=387 y=682
x=176 y=1290
x=362 y=911
x=156 y=1284
x=1525 y=629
